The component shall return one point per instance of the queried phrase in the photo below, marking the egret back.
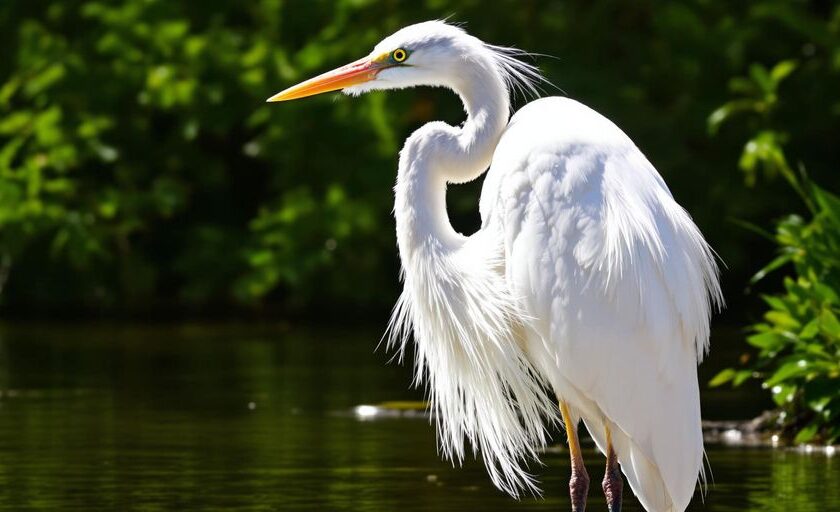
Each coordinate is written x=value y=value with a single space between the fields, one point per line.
x=617 y=283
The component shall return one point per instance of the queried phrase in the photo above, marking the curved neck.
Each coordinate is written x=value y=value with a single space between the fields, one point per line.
x=437 y=154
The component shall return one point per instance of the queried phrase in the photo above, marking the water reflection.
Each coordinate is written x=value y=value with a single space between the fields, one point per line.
x=260 y=418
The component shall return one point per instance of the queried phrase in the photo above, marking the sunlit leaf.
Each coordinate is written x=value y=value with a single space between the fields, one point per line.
x=783 y=320
x=741 y=377
x=723 y=377
x=761 y=77
x=807 y=433
x=810 y=330
x=782 y=70
x=788 y=371
x=777 y=262
x=829 y=324
x=767 y=341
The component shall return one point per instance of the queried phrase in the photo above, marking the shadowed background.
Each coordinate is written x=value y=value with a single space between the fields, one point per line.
x=142 y=177
x=142 y=172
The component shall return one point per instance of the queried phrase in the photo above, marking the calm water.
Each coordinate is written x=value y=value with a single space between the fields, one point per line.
x=251 y=418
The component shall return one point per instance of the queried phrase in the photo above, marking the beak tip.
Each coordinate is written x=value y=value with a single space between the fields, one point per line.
x=338 y=79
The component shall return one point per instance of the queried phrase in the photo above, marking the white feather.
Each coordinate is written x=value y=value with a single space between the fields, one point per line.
x=481 y=385
x=620 y=280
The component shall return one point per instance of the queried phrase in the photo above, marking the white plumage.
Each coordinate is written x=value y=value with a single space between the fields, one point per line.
x=586 y=278
x=615 y=275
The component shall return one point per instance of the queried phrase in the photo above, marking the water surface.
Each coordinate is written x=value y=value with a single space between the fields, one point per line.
x=202 y=417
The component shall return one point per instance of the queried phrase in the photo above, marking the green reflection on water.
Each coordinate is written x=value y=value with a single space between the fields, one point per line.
x=259 y=418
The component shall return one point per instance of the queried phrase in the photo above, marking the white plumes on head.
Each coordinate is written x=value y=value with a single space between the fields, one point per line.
x=441 y=53
x=519 y=76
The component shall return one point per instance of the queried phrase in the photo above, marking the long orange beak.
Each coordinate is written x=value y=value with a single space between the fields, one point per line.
x=361 y=71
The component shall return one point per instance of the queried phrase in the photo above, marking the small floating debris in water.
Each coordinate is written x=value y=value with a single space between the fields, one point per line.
x=827 y=450
x=431 y=478
x=732 y=436
x=252 y=406
x=736 y=433
x=391 y=410
x=366 y=411
x=758 y=432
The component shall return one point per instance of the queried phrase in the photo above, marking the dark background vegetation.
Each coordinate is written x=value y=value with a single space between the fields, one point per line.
x=142 y=173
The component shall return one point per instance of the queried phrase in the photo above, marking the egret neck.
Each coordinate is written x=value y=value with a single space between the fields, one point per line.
x=437 y=154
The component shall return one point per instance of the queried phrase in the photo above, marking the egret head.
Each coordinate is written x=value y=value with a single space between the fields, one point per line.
x=432 y=53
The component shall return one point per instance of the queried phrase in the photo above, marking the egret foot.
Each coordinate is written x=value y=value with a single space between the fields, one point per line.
x=578 y=488
x=613 y=482
x=579 y=482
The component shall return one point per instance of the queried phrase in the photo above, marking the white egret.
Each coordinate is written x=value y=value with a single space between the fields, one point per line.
x=586 y=278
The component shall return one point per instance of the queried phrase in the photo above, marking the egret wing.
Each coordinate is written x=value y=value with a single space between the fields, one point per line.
x=618 y=284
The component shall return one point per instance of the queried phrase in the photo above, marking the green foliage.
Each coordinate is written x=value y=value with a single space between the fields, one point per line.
x=758 y=95
x=134 y=155
x=139 y=164
x=798 y=341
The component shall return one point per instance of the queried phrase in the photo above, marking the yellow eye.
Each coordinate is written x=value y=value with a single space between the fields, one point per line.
x=399 y=55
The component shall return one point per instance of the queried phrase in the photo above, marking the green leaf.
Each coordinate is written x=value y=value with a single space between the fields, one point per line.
x=829 y=324
x=742 y=85
x=775 y=303
x=728 y=110
x=810 y=330
x=761 y=77
x=723 y=377
x=826 y=293
x=817 y=350
x=782 y=70
x=741 y=377
x=788 y=371
x=782 y=319
x=807 y=433
x=783 y=394
x=767 y=340
x=828 y=202
x=717 y=118
x=777 y=262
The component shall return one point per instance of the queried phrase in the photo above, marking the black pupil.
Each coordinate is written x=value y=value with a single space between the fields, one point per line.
x=399 y=55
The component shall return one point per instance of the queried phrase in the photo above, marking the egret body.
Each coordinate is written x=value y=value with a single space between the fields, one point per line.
x=587 y=284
